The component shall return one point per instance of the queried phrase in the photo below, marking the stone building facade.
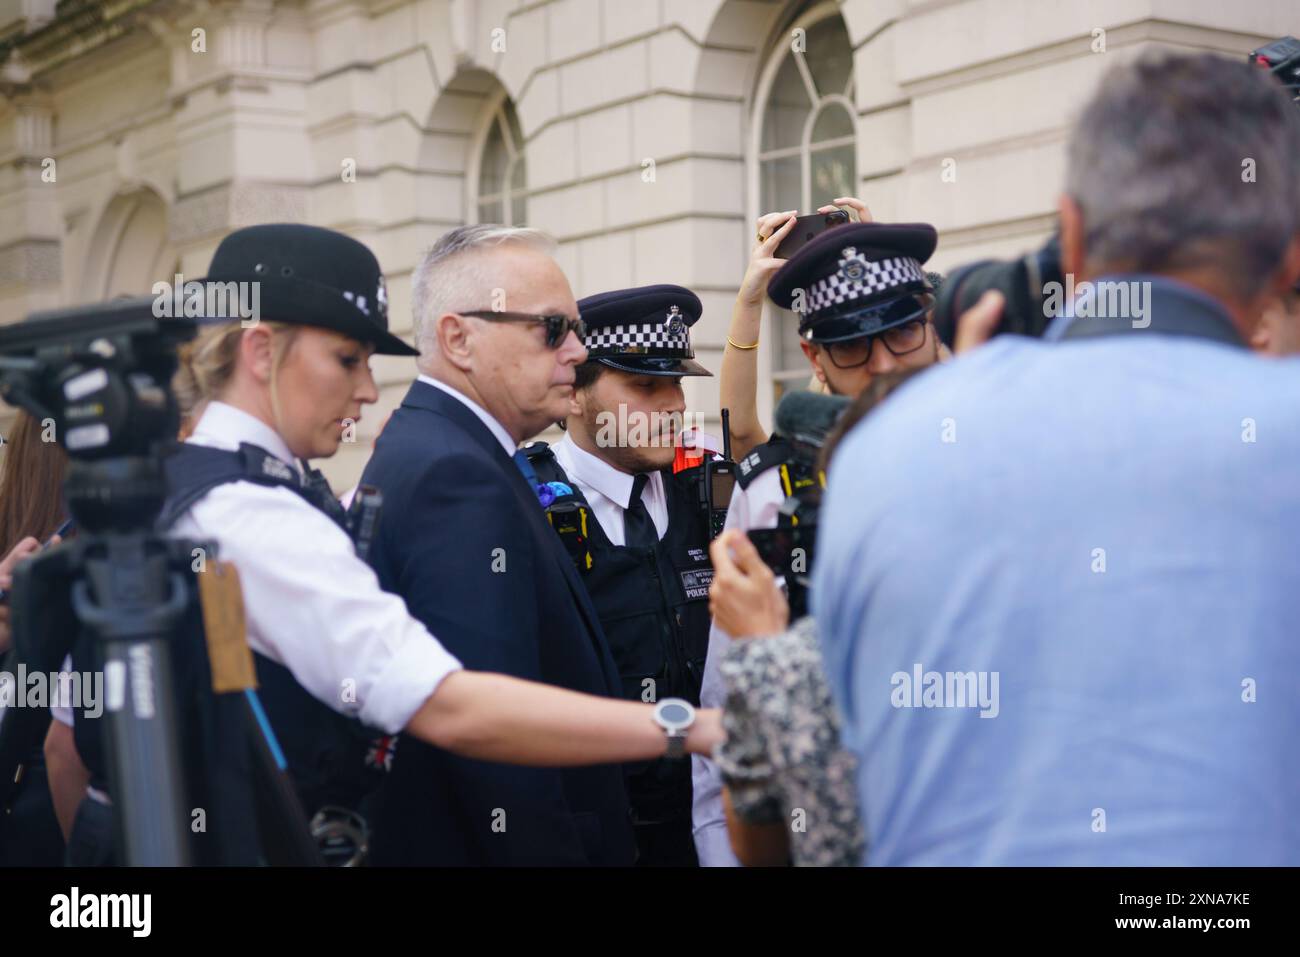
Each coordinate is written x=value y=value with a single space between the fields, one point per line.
x=645 y=135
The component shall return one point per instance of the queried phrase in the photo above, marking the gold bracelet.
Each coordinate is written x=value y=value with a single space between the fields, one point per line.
x=733 y=342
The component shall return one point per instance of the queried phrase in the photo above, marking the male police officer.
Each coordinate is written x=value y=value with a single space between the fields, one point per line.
x=637 y=532
x=863 y=302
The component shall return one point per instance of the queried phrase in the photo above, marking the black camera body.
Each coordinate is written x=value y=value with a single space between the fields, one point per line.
x=1023 y=283
x=1282 y=59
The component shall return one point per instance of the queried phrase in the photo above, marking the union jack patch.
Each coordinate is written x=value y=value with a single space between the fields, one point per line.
x=380 y=753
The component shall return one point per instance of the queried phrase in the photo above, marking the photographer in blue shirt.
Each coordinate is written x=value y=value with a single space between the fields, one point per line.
x=1058 y=582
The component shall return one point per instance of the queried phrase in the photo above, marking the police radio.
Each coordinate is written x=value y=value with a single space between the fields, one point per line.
x=718 y=481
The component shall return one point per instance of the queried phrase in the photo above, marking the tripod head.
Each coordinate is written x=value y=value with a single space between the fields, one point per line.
x=101 y=374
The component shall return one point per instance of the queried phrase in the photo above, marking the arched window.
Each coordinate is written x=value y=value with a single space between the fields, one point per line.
x=806 y=143
x=130 y=248
x=502 y=174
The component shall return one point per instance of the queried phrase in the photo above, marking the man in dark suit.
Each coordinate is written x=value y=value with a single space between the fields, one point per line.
x=465 y=542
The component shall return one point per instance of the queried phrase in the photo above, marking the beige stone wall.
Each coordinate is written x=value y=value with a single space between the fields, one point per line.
x=160 y=150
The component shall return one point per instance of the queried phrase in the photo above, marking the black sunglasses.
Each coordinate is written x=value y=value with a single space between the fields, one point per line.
x=557 y=326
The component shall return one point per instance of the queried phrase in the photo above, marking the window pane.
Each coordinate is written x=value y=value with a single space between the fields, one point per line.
x=518 y=187
x=788 y=356
x=489 y=212
x=492 y=168
x=833 y=173
x=832 y=123
x=829 y=56
x=787 y=108
x=780 y=186
x=516 y=136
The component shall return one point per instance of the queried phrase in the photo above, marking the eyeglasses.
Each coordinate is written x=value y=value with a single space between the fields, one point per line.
x=557 y=326
x=900 y=340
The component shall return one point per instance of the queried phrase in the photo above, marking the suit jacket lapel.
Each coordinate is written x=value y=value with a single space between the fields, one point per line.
x=421 y=395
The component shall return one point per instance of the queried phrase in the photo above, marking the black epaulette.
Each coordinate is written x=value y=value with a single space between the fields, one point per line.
x=775 y=451
x=537 y=450
x=542 y=458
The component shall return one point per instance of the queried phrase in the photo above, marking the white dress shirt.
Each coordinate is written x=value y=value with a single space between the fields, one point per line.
x=311 y=604
x=495 y=427
x=757 y=506
x=608 y=491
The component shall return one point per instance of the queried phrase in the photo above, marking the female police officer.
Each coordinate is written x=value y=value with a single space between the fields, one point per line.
x=328 y=641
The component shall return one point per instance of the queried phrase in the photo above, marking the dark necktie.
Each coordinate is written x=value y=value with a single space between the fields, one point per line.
x=638 y=528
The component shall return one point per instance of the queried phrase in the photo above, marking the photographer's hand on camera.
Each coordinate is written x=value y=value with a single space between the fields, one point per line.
x=978 y=323
x=744 y=599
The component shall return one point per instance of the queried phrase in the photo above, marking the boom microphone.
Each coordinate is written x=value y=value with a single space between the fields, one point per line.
x=807 y=417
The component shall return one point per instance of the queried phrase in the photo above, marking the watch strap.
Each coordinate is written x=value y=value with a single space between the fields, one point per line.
x=676 y=744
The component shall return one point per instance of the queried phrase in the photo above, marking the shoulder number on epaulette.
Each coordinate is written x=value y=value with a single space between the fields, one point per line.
x=769 y=455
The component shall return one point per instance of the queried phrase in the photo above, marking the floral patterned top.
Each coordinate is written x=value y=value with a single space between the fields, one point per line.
x=782 y=760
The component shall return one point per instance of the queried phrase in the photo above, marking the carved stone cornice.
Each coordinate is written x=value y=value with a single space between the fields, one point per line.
x=78 y=27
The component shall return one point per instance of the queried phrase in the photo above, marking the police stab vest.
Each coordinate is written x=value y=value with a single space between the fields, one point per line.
x=653 y=606
x=800 y=479
x=802 y=483
x=325 y=751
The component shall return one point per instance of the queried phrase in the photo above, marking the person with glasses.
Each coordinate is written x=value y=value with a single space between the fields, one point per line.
x=464 y=539
x=863 y=303
x=338 y=659
x=635 y=529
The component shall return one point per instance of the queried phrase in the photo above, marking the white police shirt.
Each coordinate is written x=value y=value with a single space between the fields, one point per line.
x=607 y=490
x=754 y=507
x=311 y=604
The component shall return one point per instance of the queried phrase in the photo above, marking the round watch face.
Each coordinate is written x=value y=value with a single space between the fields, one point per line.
x=674 y=714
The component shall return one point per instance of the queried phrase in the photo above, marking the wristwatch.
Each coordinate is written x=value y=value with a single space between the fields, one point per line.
x=675 y=716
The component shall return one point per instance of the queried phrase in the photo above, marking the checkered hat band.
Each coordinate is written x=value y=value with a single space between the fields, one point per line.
x=877 y=276
x=637 y=338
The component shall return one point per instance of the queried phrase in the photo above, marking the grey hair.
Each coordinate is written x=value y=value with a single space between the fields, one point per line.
x=447 y=279
x=1158 y=166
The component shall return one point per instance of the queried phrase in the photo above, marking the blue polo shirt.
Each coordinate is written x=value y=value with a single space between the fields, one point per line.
x=1095 y=544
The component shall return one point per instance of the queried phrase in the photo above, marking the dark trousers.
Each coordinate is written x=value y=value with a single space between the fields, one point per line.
x=29 y=833
x=91 y=842
x=665 y=845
